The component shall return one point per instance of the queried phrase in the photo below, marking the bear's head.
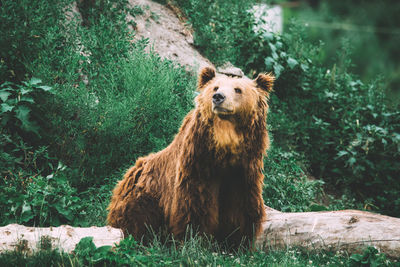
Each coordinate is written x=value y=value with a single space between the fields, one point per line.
x=237 y=99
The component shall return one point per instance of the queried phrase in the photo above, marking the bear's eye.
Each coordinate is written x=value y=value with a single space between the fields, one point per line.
x=216 y=88
x=238 y=90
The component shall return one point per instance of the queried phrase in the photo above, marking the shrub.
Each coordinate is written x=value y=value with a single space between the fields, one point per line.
x=40 y=201
x=19 y=112
x=131 y=112
x=286 y=186
x=344 y=127
x=22 y=151
x=24 y=32
x=223 y=29
x=99 y=126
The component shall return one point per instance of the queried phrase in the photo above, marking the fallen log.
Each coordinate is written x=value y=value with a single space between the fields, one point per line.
x=347 y=230
x=65 y=238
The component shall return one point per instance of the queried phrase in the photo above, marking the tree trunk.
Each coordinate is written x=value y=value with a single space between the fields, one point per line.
x=28 y=239
x=348 y=230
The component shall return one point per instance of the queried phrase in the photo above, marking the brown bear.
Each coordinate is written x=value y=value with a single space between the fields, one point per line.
x=210 y=176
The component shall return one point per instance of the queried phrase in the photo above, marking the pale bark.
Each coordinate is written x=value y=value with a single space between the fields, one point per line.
x=28 y=239
x=347 y=230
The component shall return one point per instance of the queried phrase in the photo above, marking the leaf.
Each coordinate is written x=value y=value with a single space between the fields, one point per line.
x=269 y=62
x=356 y=257
x=44 y=87
x=85 y=248
x=6 y=108
x=304 y=67
x=268 y=36
x=277 y=70
x=101 y=253
x=279 y=45
x=351 y=161
x=63 y=210
x=4 y=95
x=26 y=213
x=26 y=90
x=22 y=113
x=6 y=85
x=275 y=55
x=292 y=62
x=34 y=81
x=27 y=99
x=342 y=153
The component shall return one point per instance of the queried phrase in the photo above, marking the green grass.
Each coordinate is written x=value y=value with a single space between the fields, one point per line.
x=195 y=251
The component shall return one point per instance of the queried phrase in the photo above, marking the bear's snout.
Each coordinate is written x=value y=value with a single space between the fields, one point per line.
x=218 y=98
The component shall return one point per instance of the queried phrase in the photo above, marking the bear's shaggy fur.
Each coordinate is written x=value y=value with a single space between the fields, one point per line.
x=210 y=176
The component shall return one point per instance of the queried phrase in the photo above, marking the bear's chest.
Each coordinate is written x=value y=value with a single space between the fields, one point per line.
x=228 y=142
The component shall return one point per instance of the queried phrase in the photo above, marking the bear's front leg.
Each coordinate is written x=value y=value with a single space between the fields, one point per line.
x=194 y=205
x=241 y=210
x=253 y=200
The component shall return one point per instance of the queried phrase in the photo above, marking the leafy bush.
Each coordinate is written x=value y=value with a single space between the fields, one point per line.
x=40 y=201
x=131 y=112
x=286 y=187
x=22 y=152
x=24 y=33
x=348 y=134
x=223 y=29
x=19 y=114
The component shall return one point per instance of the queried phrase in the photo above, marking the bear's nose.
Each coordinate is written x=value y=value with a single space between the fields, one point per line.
x=218 y=98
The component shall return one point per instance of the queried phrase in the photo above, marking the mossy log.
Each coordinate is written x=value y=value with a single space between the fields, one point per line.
x=346 y=230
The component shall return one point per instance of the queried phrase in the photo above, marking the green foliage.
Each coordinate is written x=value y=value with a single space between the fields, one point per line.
x=24 y=32
x=125 y=114
x=21 y=153
x=345 y=129
x=39 y=258
x=88 y=254
x=286 y=185
x=370 y=257
x=372 y=31
x=40 y=201
x=223 y=29
x=19 y=112
x=195 y=251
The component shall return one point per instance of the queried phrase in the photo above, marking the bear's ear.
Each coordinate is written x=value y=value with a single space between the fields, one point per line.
x=265 y=82
x=206 y=75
